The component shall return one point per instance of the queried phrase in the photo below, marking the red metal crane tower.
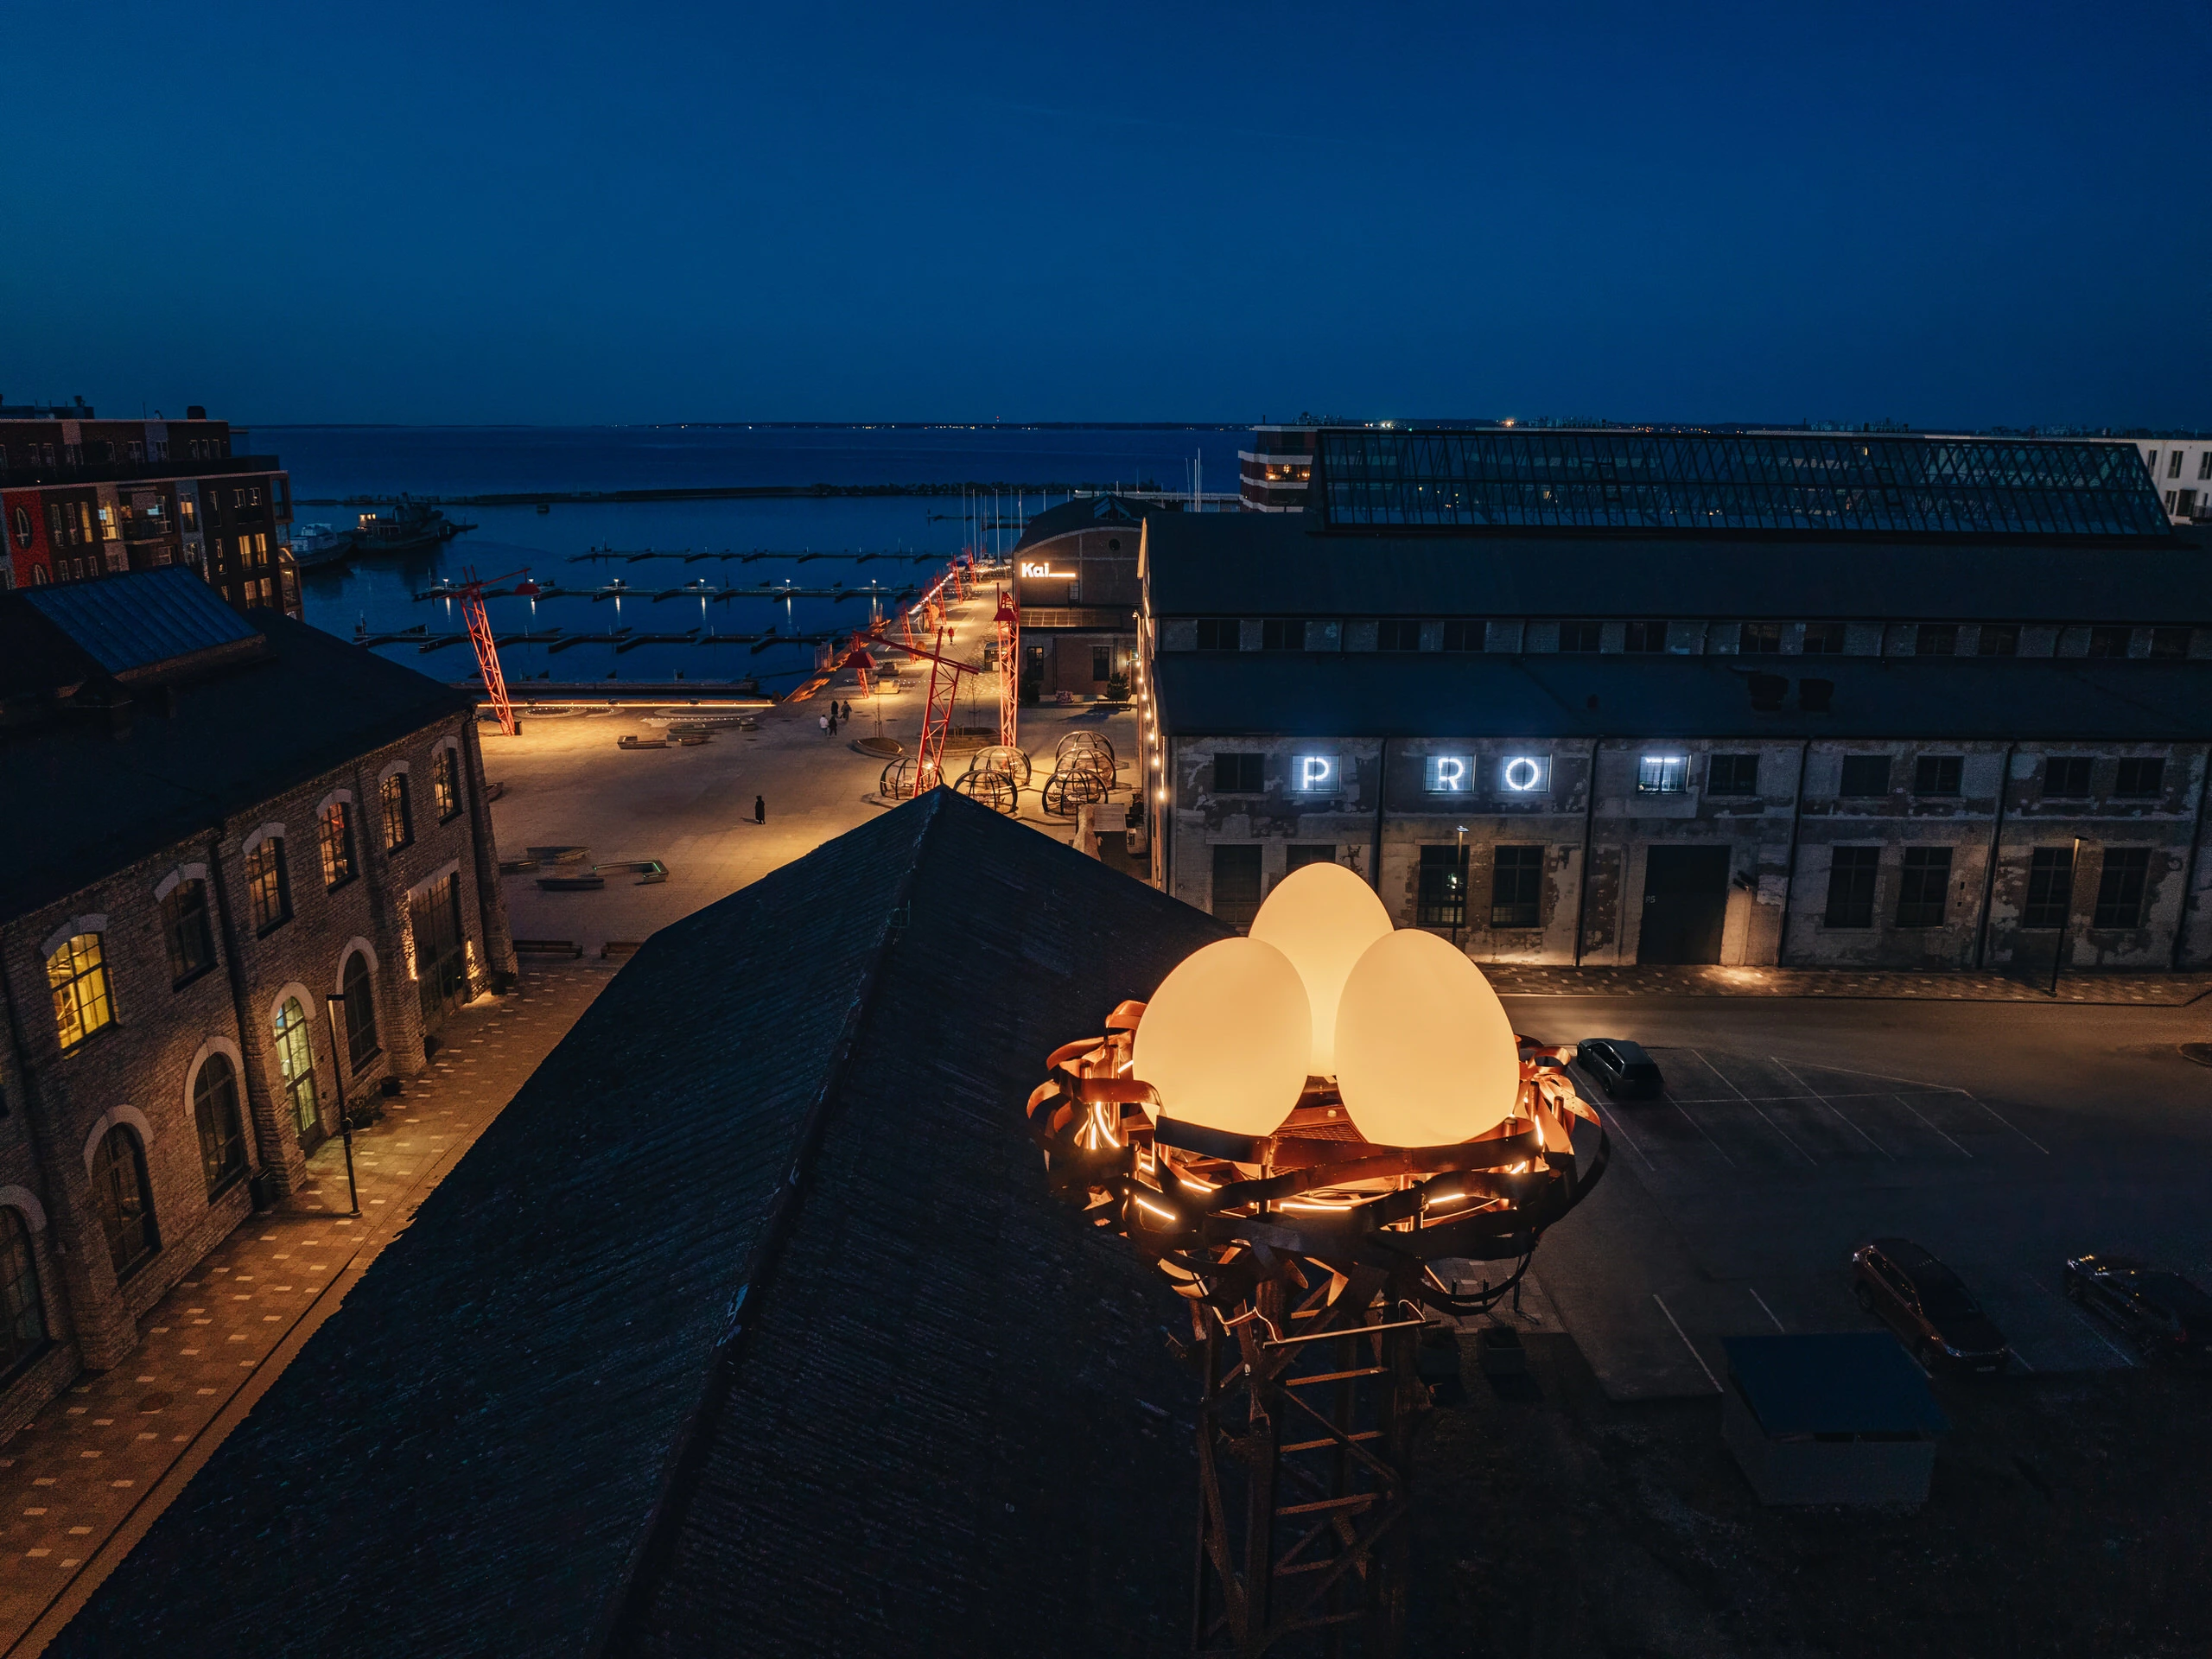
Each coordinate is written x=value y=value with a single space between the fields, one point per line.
x=1009 y=620
x=480 y=635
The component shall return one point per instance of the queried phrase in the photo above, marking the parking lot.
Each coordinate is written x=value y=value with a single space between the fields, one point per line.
x=2003 y=1138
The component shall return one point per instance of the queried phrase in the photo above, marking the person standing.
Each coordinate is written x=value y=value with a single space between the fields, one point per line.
x=760 y=809
x=823 y=721
x=832 y=720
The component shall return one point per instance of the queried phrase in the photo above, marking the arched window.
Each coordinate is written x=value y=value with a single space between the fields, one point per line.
x=222 y=1131
x=125 y=1198
x=445 y=783
x=77 y=974
x=336 y=833
x=360 y=1013
x=267 y=884
x=295 y=1058
x=398 y=826
x=191 y=941
x=22 y=1310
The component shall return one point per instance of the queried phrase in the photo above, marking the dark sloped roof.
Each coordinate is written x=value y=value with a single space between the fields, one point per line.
x=1837 y=1383
x=1276 y=563
x=1431 y=694
x=139 y=621
x=238 y=735
x=1084 y=512
x=922 y=1433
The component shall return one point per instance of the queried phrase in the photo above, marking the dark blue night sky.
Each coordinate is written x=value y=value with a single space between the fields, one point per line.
x=1961 y=215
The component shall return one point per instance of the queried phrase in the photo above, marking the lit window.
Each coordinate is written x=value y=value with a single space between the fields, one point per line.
x=266 y=886
x=1314 y=774
x=1524 y=774
x=77 y=975
x=334 y=835
x=1450 y=774
x=295 y=1059
x=398 y=825
x=222 y=1132
x=445 y=765
x=1443 y=892
x=126 y=1200
x=1663 y=774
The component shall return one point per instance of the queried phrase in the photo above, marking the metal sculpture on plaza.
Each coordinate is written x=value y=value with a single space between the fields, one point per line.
x=471 y=592
x=1298 y=1128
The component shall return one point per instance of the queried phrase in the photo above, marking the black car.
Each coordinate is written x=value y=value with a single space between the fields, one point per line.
x=2169 y=1318
x=1928 y=1306
x=1626 y=1072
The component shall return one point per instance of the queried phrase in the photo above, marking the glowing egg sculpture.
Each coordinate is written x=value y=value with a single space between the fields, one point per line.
x=1324 y=918
x=1424 y=1054
x=1226 y=1037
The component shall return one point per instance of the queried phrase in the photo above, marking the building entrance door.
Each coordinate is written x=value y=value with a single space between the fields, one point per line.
x=440 y=950
x=1685 y=903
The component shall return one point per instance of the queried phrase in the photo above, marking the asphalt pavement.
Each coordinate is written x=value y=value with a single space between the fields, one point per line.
x=2003 y=1136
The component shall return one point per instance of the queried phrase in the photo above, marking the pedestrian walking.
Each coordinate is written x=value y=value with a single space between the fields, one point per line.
x=823 y=721
x=832 y=720
x=760 y=809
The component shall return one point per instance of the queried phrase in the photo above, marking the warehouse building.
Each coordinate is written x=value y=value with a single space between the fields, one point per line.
x=1616 y=697
x=219 y=826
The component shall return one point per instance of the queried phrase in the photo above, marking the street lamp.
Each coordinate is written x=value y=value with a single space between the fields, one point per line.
x=1296 y=1130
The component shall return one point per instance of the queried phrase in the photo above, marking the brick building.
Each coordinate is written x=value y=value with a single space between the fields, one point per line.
x=83 y=499
x=1874 y=701
x=218 y=823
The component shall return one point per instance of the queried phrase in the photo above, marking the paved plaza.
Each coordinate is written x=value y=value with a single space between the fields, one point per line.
x=80 y=1482
x=566 y=783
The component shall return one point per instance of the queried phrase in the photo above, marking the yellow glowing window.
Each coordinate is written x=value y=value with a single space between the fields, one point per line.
x=77 y=974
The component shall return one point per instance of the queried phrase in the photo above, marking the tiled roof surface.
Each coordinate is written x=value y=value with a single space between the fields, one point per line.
x=193 y=754
x=925 y=1434
x=137 y=621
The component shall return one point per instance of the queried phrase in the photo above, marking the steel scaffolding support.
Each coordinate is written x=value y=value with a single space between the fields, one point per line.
x=1010 y=622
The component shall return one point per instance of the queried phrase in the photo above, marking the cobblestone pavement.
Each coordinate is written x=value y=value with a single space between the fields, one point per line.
x=2158 y=990
x=80 y=1484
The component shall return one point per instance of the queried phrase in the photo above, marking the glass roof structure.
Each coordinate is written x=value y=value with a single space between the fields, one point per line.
x=1860 y=484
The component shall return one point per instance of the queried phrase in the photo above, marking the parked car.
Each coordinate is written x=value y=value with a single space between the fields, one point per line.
x=1928 y=1306
x=1624 y=1069
x=2169 y=1318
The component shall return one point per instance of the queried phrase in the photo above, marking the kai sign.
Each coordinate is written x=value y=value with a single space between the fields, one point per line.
x=1041 y=571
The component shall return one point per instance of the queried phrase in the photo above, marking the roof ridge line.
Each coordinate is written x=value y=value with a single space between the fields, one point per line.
x=687 y=1456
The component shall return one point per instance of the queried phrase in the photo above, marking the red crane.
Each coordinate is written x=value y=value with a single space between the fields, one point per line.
x=480 y=635
x=1009 y=620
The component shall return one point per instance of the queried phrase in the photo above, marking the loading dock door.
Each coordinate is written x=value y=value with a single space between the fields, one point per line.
x=1685 y=903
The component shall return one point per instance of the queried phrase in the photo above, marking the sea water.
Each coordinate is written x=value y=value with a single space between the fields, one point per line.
x=378 y=593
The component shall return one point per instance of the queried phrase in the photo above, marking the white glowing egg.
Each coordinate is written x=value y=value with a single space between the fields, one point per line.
x=1225 y=1038
x=1425 y=1056
x=1323 y=918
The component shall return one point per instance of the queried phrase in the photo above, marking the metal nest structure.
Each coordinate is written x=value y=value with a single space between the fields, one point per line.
x=1309 y=1258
